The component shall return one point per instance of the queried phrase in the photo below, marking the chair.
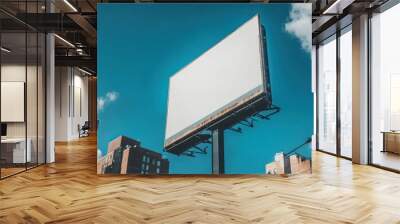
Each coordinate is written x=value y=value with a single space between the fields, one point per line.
x=84 y=130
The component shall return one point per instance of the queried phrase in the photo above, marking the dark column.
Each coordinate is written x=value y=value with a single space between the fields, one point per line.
x=218 y=163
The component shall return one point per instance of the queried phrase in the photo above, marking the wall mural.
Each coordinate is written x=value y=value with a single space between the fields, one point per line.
x=204 y=89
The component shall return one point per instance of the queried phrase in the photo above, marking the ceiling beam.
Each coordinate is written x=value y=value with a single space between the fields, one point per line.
x=84 y=24
x=78 y=61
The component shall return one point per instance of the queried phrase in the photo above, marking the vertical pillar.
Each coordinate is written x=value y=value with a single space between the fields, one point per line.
x=314 y=92
x=360 y=89
x=92 y=99
x=218 y=162
x=338 y=99
x=50 y=92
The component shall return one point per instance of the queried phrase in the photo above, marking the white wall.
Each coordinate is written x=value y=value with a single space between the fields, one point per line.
x=12 y=100
x=61 y=103
x=17 y=73
x=14 y=73
x=80 y=94
x=71 y=87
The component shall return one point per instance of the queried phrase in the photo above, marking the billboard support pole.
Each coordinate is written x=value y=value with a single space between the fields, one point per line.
x=218 y=162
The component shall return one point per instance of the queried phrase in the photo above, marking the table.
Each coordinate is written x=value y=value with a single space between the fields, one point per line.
x=391 y=141
x=13 y=150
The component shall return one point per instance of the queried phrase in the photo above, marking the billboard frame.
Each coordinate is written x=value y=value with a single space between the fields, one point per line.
x=249 y=104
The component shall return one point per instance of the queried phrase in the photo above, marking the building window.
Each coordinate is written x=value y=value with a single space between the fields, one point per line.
x=385 y=89
x=327 y=95
x=346 y=73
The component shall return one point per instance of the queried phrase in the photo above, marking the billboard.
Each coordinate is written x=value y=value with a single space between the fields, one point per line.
x=226 y=76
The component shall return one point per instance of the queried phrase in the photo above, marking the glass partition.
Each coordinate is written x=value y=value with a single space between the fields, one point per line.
x=14 y=153
x=22 y=78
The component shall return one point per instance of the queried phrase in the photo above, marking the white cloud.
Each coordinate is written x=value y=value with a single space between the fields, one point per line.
x=299 y=24
x=112 y=96
x=102 y=102
x=99 y=154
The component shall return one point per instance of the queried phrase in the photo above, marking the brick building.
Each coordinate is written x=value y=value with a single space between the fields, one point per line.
x=127 y=156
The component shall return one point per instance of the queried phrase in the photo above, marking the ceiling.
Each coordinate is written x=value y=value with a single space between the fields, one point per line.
x=75 y=22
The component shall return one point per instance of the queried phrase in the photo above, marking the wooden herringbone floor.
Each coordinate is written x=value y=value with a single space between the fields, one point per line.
x=69 y=191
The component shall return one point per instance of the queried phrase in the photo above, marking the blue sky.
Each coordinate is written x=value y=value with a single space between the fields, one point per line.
x=142 y=45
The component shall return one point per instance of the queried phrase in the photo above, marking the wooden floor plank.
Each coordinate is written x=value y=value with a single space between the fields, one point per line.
x=70 y=191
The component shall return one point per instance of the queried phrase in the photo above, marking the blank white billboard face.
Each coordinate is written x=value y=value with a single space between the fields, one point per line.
x=221 y=79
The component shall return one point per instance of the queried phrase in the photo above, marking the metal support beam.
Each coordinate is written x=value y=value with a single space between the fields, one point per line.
x=218 y=161
x=80 y=61
x=84 y=24
x=49 y=22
